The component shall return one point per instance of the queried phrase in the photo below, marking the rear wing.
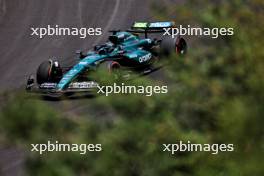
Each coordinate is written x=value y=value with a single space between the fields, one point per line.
x=155 y=27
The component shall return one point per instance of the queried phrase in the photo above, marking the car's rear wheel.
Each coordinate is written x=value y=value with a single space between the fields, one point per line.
x=176 y=45
x=181 y=46
x=49 y=71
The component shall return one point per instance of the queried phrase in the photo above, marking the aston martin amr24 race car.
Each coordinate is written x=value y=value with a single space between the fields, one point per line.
x=126 y=50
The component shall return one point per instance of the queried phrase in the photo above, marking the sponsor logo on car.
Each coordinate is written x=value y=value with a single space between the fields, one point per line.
x=48 y=85
x=83 y=85
x=145 y=58
x=160 y=25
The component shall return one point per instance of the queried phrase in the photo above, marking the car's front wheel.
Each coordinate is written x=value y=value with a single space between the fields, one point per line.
x=49 y=71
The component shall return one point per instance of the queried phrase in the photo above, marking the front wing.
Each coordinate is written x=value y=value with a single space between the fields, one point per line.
x=51 y=88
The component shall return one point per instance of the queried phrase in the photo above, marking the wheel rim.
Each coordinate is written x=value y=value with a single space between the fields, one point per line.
x=181 y=47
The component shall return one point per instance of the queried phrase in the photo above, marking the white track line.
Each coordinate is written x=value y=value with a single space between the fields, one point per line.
x=117 y=4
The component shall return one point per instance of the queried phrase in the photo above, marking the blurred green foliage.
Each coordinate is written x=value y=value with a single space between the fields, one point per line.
x=215 y=96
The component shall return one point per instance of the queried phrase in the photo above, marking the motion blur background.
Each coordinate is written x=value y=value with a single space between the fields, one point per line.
x=215 y=93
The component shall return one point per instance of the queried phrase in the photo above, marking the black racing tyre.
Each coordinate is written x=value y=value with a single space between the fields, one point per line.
x=43 y=72
x=171 y=45
x=48 y=72
x=111 y=66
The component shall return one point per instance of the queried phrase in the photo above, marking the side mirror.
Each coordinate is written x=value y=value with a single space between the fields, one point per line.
x=80 y=54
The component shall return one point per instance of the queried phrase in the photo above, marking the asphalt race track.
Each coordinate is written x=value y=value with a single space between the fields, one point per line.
x=21 y=53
